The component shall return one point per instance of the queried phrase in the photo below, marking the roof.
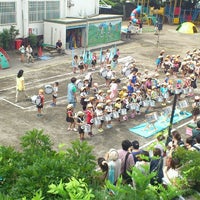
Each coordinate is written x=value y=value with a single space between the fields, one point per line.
x=70 y=20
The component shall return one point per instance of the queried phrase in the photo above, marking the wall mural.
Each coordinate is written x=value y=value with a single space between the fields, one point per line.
x=104 y=32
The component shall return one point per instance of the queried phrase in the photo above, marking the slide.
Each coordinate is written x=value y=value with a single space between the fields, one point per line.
x=134 y=13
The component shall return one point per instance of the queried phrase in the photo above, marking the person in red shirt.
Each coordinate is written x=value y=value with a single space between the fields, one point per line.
x=89 y=116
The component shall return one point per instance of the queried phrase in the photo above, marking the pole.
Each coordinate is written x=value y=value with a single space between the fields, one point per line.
x=171 y=119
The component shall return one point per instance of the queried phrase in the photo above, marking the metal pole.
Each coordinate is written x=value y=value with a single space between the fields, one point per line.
x=171 y=119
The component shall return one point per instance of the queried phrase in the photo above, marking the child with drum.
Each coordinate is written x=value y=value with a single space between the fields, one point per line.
x=164 y=93
x=81 y=123
x=55 y=94
x=81 y=65
x=83 y=98
x=89 y=117
x=70 y=117
x=109 y=75
x=117 y=109
x=75 y=63
x=108 y=111
x=125 y=106
x=40 y=105
x=133 y=105
x=99 y=120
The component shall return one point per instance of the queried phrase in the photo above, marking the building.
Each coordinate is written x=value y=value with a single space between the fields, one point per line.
x=56 y=19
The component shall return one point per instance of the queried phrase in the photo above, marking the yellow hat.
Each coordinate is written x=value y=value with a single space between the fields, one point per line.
x=99 y=105
x=100 y=91
x=125 y=94
x=91 y=98
x=118 y=99
x=89 y=105
x=108 y=101
x=83 y=88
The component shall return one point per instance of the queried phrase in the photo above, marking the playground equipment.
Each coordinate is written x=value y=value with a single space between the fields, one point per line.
x=135 y=13
x=4 y=59
x=187 y=27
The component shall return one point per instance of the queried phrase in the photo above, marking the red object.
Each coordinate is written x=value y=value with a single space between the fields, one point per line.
x=189 y=131
x=39 y=51
x=18 y=44
x=177 y=11
x=4 y=53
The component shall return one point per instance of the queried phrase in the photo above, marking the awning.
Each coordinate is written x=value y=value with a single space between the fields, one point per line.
x=76 y=26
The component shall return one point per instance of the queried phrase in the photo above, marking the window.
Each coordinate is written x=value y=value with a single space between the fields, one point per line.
x=7 y=12
x=40 y=10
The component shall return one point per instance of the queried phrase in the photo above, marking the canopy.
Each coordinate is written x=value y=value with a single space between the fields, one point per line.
x=187 y=27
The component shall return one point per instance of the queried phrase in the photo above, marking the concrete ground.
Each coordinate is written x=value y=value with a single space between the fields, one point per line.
x=17 y=118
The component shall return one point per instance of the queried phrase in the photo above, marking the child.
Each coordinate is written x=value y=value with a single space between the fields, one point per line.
x=99 y=114
x=195 y=108
x=80 y=122
x=81 y=65
x=108 y=111
x=83 y=98
x=118 y=106
x=70 y=118
x=94 y=60
x=89 y=117
x=55 y=93
x=75 y=63
x=40 y=105
x=164 y=93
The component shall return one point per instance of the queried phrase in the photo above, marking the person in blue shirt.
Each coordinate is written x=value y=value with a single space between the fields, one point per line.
x=71 y=92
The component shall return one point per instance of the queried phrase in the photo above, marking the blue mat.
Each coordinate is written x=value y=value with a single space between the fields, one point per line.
x=45 y=58
x=147 y=130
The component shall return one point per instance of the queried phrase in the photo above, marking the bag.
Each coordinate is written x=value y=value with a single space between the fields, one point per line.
x=126 y=178
x=197 y=148
x=38 y=101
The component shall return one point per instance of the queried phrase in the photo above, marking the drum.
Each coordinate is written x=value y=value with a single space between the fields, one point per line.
x=33 y=99
x=185 y=90
x=87 y=128
x=178 y=91
x=123 y=111
x=108 y=117
x=160 y=99
x=152 y=103
x=126 y=71
x=79 y=84
x=166 y=95
x=183 y=104
x=48 y=89
x=103 y=72
x=97 y=121
x=132 y=106
x=145 y=103
x=115 y=115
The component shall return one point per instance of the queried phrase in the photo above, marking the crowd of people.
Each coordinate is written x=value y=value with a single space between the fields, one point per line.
x=160 y=160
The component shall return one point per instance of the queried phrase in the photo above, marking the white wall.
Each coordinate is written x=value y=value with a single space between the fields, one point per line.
x=83 y=8
x=53 y=32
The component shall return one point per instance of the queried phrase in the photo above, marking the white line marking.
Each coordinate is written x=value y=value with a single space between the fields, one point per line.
x=13 y=103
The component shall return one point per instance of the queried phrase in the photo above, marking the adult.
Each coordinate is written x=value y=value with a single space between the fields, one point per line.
x=127 y=161
x=71 y=92
x=196 y=131
x=59 y=46
x=135 y=150
x=156 y=165
x=20 y=85
x=29 y=52
x=114 y=165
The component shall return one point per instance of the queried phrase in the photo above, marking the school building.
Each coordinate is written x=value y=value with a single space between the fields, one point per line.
x=76 y=22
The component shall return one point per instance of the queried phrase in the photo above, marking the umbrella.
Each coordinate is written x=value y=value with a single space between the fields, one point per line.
x=187 y=27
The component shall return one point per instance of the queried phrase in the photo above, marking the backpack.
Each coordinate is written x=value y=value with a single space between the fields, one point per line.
x=197 y=148
x=38 y=100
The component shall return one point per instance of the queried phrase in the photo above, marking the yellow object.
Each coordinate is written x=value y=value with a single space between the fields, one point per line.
x=157 y=11
x=187 y=27
x=176 y=20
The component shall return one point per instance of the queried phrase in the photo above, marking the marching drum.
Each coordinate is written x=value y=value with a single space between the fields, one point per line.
x=166 y=95
x=145 y=103
x=152 y=103
x=87 y=128
x=178 y=91
x=48 y=89
x=33 y=99
x=97 y=121
x=79 y=84
x=126 y=71
x=103 y=72
x=132 y=106
x=160 y=99
x=123 y=111
x=108 y=117
x=115 y=114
